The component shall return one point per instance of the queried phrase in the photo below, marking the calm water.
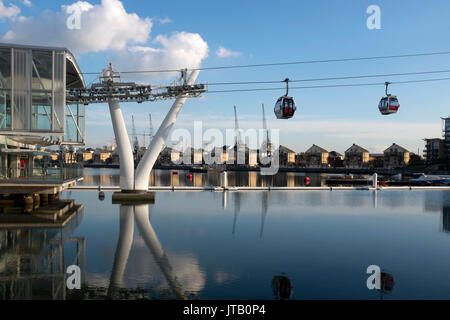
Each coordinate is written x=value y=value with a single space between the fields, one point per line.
x=207 y=245
x=111 y=177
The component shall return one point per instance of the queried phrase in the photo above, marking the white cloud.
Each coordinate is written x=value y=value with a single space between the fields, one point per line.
x=27 y=3
x=142 y=268
x=225 y=53
x=109 y=27
x=164 y=20
x=8 y=12
x=106 y=26
x=180 y=50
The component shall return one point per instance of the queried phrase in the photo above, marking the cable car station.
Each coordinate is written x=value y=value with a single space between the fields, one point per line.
x=34 y=114
x=43 y=98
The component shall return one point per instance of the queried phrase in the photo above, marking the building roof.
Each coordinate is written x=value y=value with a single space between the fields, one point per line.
x=74 y=77
x=356 y=148
x=315 y=149
x=285 y=149
x=396 y=148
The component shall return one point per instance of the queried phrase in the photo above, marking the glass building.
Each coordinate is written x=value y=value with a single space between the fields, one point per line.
x=33 y=108
x=33 y=83
x=446 y=133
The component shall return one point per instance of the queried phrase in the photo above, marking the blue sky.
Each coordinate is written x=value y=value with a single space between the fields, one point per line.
x=266 y=32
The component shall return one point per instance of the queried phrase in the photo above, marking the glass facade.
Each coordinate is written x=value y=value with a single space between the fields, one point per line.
x=75 y=123
x=447 y=138
x=33 y=93
x=5 y=89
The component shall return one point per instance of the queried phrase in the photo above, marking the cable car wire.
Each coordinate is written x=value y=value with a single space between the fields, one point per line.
x=330 y=86
x=286 y=63
x=330 y=78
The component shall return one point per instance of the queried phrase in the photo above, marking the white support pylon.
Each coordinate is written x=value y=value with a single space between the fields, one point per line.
x=147 y=162
x=123 y=248
x=151 y=240
x=124 y=146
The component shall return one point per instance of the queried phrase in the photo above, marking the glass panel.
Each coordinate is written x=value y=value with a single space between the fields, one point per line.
x=72 y=133
x=81 y=125
x=59 y=91
x=5 y=68
x=5 y=86
x=22 y=84
x=42 y=70
x=71 y=130
x=82 y=111
x=5 y=109
x=42 y=111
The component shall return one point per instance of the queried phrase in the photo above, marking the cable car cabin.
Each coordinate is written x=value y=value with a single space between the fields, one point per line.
x=285 y=107
x=389 y=105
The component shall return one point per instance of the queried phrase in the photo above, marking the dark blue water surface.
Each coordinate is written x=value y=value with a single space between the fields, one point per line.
x=214 y=245
x=231 y=245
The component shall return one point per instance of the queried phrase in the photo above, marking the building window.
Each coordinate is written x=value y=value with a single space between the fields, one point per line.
x=5 y=89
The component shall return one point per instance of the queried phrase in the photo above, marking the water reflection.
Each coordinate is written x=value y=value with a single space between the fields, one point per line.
x=446 y=219
x=375 y=199
x=446 y=213
x=234 y=245
x=33 y=261
x=139 y=215
x=237 y=209
x=387 y=284
x=167 y=178
x=264 y=207
x=439 y=202
x=282 y=287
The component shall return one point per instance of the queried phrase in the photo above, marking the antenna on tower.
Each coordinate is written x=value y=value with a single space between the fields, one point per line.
x=151 y=133
x=236 y=128
x=266 y=145
x=134 y=136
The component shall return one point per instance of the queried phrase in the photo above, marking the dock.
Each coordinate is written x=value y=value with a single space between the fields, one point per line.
x=36 y=187
x=54 y=215
x=242 y=189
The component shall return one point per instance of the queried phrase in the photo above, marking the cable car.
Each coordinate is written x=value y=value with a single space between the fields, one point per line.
x=389 y=104
x=387 y=282
x=282 y=287
x=285 y=107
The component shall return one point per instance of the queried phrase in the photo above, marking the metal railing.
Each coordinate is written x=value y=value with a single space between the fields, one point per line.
x=42 y=174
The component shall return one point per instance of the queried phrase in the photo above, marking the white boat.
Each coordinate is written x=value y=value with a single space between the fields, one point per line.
x=431 y=180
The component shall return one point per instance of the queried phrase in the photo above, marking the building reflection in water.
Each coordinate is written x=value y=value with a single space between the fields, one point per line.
x=213 y=177
x=264 y=208
x=33 y=261
x=174 y=178
x=290 y=179
x=224 y=200
x=139 y=215
x=375 y=199
x=237 y=209
x=439 y=202
x=446 y=218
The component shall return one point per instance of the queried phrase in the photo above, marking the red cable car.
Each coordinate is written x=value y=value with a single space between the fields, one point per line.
x=285 y=107
x=389 y=104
